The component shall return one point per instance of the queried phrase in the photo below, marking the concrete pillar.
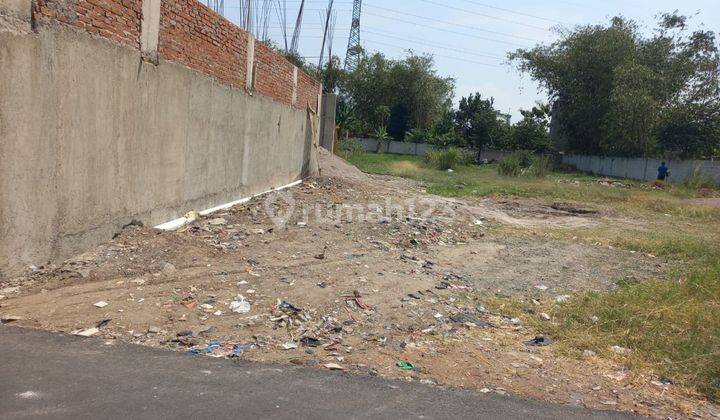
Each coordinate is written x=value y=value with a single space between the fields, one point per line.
x=327 y=121
x=150 y=30
x=295 y=86
x=250 y=70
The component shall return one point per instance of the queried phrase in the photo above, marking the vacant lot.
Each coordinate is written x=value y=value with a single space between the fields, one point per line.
x=432 y=276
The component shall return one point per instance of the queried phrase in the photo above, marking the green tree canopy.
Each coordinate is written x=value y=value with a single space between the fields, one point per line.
x=480 y=123
x=410 y=89
x=616 y=92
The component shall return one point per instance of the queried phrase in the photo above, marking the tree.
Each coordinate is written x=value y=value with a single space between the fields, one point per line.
x=613 y=90
x=477 y=121
x=531 y=133
x=410 y=89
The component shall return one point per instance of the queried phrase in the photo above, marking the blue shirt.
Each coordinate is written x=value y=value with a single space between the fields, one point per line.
x=662 y=171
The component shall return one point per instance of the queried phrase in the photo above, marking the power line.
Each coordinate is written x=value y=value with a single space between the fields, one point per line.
x=514 y=12
x=447 y=30
x=432 y=44
x=421 y=42
x=435 y=55
x=445 y=22
x=484 y=15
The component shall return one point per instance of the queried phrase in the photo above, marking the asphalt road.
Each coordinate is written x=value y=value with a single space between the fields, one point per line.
x=47 y=375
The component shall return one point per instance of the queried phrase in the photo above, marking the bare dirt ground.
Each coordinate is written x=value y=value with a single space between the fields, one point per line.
x=395 y=294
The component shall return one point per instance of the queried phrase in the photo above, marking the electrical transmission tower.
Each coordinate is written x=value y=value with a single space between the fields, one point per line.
x=354 y=50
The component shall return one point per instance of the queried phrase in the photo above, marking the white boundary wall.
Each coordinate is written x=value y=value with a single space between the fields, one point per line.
x=641 y=168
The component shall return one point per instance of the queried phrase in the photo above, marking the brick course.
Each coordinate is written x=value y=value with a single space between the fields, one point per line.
x=190 y=34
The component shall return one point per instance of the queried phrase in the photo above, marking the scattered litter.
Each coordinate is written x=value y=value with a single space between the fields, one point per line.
x=240 y=306
x=88 y=332
x=289 y=345
x=154 y=330
x=5 y=319
x=192 y=216
x=217 y=222
x=619 y=350
x=544 y=316
x=333 y=366
x=589 y=353
x=100 y=304
x=102 y=323
x=217 y=348
x=541 y=287
x=189 y=302
x=562 y=298
x=310 y=342
x=468 y=320
x=404 y=365
x=539 y=341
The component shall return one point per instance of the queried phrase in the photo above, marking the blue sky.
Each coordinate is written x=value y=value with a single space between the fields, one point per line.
x=470 y=38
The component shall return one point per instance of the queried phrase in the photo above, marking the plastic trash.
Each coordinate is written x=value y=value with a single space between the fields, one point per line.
x=404 y=365
x=240 y=306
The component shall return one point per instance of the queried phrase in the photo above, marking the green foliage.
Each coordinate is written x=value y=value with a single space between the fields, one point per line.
x=345 y=118
x=382 y=134
x=541 y=166
x=444 y=159
x=402 y=94
x=479 y=122
x=531 y=133
x=618 y=93
x=509 y=166
x=525 y=162
x=350 y=148
x=417 y=135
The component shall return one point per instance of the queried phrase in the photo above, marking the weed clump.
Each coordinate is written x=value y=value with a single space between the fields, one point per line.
x=445 y=159
x=523 y=162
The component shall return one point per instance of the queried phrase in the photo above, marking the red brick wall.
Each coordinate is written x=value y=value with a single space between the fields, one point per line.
x=273 y=74
x=117 y=20
x=201 y=39
x=190 y=34
x=307 y=93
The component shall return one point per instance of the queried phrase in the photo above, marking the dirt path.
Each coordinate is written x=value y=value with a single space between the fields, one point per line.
x=363 y=291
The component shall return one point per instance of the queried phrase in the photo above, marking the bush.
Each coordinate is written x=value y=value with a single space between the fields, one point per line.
x=445 y=159
x=541 y=166
x=509 y=166
x=350 y=147
x=416 y=135
x=525 y=162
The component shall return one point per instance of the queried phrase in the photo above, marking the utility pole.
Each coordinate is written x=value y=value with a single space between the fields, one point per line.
x=352 y=56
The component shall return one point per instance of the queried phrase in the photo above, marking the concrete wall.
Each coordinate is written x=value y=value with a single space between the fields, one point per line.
x=398 y=147
x=92 y=137
x=643 y=169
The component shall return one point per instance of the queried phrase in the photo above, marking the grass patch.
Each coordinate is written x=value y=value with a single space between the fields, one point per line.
x=671 y=326
x=444 y=159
